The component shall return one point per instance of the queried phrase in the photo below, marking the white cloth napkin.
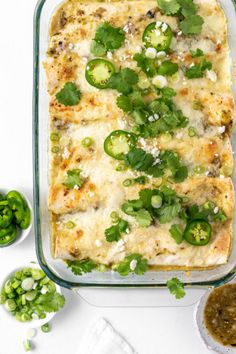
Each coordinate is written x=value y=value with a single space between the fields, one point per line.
x=101 y=338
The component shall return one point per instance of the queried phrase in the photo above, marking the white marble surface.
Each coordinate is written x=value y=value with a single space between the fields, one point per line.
x=149 y=330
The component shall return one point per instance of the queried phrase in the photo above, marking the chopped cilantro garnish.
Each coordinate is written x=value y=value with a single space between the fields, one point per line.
x=197 y=70
x=124 y=103
x=114 y=232
x=188 y=8
x=69 y=95
x=107 y=38
x=80 y=267
x=145 y=64
x=197 y=53
x=191 y=25
x=176 y=287
x=176 y=233
x=132 y=263
x=123 y=81
x=169 y=7
x=50 y=302
x=143 y=218
x=167 y=92
x=73 y=179
x=167 y=68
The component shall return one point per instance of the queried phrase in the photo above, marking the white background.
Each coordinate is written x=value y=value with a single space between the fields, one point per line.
x=150 y=330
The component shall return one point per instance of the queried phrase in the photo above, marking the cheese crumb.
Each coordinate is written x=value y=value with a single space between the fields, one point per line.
x=98 y=243
x=159 y=81
x=158 y=24
x=76 y=187
x=164 y=27
x=211 y=75
x=66 y=153
x=120 y=243
x=133 y=264
x=216 y=209
x=151 y=53
x=161 y=54
x=221 y=130
x=109 y=55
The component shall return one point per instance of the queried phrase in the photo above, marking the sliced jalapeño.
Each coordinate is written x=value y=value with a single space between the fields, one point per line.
x=98 y=72
x=119 y=143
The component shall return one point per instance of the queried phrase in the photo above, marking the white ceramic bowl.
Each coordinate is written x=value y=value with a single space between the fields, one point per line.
x=21 y=234
x=9 y=317
x=209 y=341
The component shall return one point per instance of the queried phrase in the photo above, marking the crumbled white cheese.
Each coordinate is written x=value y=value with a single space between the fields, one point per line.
x=158 y=24
x=142 y=142
x=216 y=209
x=164 y=27
x=109 y=55
x=66 y=153
x=126 y=28
x=98 y=243
x=151 y=53
x=179 y=33
x=71 y=46
x=157 y=32
x=76 y=187
x=161 y=54
x=221 y=130
x=211 y=75
x=138 y=49
x=159 y=81
x=153 y=118
x=120 y=243
x=133 y=264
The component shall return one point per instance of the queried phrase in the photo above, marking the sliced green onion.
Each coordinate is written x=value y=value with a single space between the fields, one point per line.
x=10 y=305
x=2 y=298
x=192 y=132
x=114 y=217
x=185 y=199
x=31 y=295
x=37 y=274
x=27 y=284
x=199 y=170
x=121 y=167
x=128 y=182
x=54 y=137
x=101 y=268
x=156 y=201
x=27 y=345
x=209 y=205
x=55 y=149
x=70 y=225
x=87 y=142
x=46 y=328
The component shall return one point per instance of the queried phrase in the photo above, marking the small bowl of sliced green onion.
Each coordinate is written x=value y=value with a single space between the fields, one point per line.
x=15 y=218
x=30 y=297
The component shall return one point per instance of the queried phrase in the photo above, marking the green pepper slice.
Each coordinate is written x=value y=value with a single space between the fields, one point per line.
x=98 y=72
x=25 y=223
x=198 y=232
x=20 y=209
x=158 y=37
x=16 y=195
x=119 y=143
x=6 y=216
x=17 y=208
x=8 y=235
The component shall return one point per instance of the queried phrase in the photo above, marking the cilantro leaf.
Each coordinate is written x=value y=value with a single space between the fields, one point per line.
x=167 y=68
x=73 y=179
x=82 y=266
x=114 y=232
x=176 y=233
x=98 y=49
x=197 y=71
x=139 y=160
x=176 y=288
x=145 y=64
x=191 y=25
x=168 y=212
x=197 y=53
x=124 y=103
x=168 y=7
x=107 y=38
x=50 y=302
x=188 y=8
x=123 y=81
x=168 y=92
x=125 y=267
x=69 y=95
x=143 y=218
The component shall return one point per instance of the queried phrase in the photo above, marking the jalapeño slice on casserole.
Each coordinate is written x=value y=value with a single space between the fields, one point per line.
x=119 y=143
x=157 y=35
x=198 y=232
x=98 y=72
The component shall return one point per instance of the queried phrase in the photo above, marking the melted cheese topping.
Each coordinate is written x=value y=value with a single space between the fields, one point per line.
x=207 y=102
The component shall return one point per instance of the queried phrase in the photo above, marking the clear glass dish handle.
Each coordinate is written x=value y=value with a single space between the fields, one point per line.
x=133 y=297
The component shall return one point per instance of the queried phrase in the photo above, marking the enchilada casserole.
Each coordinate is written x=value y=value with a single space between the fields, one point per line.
x=141 y=113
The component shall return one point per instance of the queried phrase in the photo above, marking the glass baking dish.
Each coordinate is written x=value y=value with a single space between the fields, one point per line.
x=56 y=269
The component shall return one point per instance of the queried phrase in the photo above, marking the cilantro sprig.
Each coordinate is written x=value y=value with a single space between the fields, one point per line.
x=123 y=81
x=50 y=302
x=133 y=263
x=145 y=210
x=176 y=288
x=107 y=38
x=114 y=232
x=197 y=71
x=69 y=95
x=190 y=22
x=145 y=64
x=81 y=266
x=73 y=179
